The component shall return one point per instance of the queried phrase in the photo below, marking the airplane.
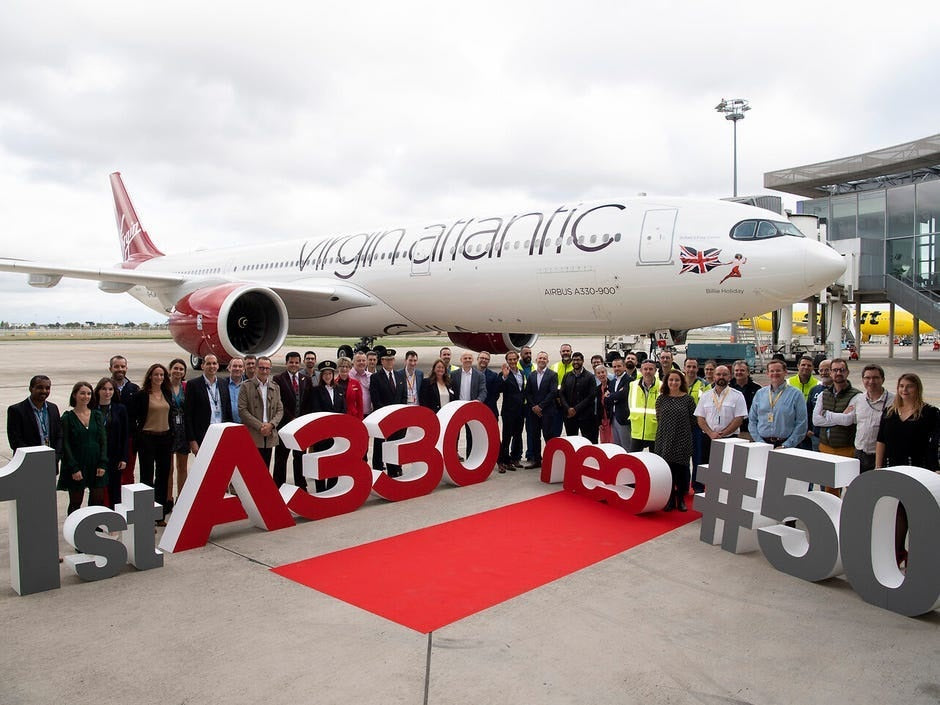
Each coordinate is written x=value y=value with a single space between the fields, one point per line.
x=649 y=264
x=874 y=321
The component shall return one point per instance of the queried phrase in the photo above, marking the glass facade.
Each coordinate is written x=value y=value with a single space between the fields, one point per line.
x=871 y=215
x=899 y=226
x=901 y=211
x=928 y=207
x=842 y=217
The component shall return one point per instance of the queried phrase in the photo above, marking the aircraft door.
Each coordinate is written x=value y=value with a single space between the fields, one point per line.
x=421 y=256
x=659 y=226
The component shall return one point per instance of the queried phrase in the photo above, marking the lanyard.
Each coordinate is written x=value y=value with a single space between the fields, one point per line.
x=42 y=415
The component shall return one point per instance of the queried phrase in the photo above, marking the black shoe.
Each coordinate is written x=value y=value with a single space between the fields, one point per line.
x=502 y=468
x=681 y=505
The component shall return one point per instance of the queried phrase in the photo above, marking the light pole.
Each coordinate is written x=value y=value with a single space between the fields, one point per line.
x=734 y=110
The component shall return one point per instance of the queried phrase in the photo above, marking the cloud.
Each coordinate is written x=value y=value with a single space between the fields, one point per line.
x=234 y=126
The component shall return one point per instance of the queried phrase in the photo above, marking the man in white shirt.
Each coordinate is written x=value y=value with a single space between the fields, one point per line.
x=411 y=377
x=868 y=410
x=720 y=410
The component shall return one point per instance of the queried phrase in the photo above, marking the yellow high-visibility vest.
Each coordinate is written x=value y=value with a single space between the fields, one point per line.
x=643 y=411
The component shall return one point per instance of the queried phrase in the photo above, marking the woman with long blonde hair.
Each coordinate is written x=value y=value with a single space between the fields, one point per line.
x=908 y=436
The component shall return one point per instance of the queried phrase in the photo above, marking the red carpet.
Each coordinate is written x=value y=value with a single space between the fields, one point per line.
x=429 y=578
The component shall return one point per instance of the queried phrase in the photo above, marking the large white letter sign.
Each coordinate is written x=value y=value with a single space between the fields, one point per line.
x=227 y=455
x=140 y=512
x=485 y=434
x=343 y=460
x=99 y=555
x=415 y=447
x=634 y=482
x=28 y=482
x=787 y=496
x=730 y=505
x=869 y=511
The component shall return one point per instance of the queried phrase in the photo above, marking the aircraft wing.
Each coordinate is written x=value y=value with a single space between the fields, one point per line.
x=46 y=275
x=312 y=298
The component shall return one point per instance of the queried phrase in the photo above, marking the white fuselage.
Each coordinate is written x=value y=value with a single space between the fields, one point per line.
x=632 y=265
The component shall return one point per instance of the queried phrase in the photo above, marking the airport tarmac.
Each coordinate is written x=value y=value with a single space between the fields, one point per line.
x=673 y=620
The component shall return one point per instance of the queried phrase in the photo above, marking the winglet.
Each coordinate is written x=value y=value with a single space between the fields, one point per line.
x=136 y=245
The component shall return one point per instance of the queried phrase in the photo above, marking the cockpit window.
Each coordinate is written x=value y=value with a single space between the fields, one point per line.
x=789 y=229
x=763 y=230
x=766 y=230
x=744 y=230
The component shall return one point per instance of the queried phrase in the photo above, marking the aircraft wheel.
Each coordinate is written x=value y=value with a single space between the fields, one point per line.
x=344 y=351
x=195 y=362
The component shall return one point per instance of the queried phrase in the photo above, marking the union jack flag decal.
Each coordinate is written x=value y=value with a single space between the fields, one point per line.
x=699 y=262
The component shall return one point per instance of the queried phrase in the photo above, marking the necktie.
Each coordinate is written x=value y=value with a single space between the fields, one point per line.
x=294 y=383
x=391 y=380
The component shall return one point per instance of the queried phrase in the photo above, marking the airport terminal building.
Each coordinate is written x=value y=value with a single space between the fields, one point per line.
x=883 y=209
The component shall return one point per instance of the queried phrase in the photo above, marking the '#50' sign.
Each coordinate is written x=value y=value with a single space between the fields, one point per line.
x=751 y=490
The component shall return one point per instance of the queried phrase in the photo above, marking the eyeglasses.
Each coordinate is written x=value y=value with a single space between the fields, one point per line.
x=263 y=369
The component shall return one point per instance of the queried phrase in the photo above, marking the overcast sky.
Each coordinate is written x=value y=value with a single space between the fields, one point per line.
x=233 y=123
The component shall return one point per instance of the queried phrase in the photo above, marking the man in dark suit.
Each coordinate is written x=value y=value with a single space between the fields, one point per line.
x=207 y=402
x=491 y=380
x=541 y=392
x=35 y=421
x=297 y=398
x=617 y=402
x=410 y=378
x=576 y=397
x=386 y=389
x=124 y=391
x=512 y=387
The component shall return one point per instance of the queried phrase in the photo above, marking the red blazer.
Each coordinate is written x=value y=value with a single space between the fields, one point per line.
x=353 y=398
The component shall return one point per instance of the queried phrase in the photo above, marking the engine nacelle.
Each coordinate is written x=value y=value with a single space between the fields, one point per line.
x=230 y=320
x=495 y=343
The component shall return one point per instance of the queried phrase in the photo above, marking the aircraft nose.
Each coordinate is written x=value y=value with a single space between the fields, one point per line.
x=822 y=265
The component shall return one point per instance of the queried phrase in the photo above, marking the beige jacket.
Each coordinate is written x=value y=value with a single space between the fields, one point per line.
x=251 y=410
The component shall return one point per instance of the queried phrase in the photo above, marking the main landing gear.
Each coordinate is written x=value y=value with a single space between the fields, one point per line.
x=365 y=343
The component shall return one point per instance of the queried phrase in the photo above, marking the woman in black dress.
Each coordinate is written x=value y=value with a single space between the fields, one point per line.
x=675 y=419
x=118 y=432
x=908 y=436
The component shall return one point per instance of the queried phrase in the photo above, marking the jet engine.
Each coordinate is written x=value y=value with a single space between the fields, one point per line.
x=496 y=343
x=229 y=320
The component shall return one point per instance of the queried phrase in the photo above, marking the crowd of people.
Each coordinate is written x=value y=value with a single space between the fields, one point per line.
x=115 y=426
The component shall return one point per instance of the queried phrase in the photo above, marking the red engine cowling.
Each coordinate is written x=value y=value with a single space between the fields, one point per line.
x=495 y=343
x=230 y=320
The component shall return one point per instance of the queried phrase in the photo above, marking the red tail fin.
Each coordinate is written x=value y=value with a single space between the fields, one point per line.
x=136 y=245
